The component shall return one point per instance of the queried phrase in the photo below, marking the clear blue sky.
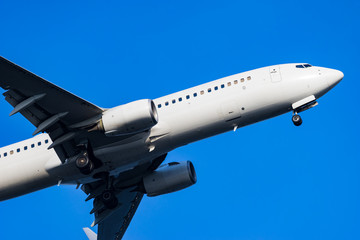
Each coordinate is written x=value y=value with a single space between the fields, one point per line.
x=268 y=181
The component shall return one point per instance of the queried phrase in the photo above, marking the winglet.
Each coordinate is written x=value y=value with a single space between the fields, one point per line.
x=90 y=234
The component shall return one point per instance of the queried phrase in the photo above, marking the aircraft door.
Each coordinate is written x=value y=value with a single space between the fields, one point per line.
x=275 y=73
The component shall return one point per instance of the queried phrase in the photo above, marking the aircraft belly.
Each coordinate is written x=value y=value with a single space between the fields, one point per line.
x=24 y=176
x=122 y=154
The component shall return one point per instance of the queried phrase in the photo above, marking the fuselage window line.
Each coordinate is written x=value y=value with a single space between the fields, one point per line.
x=202 y=92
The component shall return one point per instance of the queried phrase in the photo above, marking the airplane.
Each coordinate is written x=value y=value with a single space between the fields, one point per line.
x=117 y=155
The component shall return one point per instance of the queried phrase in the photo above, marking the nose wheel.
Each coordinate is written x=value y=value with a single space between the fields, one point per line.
x=296 y=119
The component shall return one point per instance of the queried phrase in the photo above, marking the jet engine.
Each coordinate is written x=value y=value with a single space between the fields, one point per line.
x=170 y=178
x=129 y=118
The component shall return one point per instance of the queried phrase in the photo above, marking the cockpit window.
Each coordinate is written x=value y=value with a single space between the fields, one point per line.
x=303 y=66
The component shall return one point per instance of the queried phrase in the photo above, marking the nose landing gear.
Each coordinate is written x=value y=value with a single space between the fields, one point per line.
x=296 y=119
x=300 y=106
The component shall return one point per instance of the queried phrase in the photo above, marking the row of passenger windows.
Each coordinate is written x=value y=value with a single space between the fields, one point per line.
x=202 y=92
x=25 y=148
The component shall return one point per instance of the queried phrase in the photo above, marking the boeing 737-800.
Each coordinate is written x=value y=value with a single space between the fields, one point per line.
x=116 y=155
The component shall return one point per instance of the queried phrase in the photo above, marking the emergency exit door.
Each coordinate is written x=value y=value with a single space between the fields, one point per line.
x=275 y=73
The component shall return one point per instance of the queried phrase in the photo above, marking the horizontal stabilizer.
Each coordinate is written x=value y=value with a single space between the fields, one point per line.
x=90 y=234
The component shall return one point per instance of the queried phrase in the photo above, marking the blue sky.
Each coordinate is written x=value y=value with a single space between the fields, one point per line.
x=267 y=181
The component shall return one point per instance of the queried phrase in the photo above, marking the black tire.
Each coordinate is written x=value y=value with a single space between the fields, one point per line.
x=109 y=199
x=84 y=164
x=297 y=120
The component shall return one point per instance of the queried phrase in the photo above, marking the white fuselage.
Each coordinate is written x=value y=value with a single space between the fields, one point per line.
x=184 y=117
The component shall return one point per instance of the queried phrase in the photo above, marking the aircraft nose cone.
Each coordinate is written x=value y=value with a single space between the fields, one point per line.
x=334 y=77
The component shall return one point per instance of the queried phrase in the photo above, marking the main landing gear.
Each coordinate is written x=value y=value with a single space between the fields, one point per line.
x=296 y=119
x=84 y=164
x=108 y=196
x=109 y=199
x=86 y=161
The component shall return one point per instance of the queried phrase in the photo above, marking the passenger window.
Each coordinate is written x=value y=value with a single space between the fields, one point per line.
x=209 y=89
x=5 y=154
x=216 y=88
x=195 y=94
x=11 y=152
x=32 y=145
x=236 y=82
x=39 y=143
x=187 y=96
x=202 y=92
x=159 y=105
x=248 y=78
x=222 y=85
x=25 y=148
x=229 y=84
x=242 y=79
x=18 y=150
x=173 y=101
x=47 y=141
x=180 y=99
x=166 y=103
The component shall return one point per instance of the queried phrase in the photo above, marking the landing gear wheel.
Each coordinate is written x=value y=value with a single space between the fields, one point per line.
x=297 y=120
x=84 y=164
x=109 y=199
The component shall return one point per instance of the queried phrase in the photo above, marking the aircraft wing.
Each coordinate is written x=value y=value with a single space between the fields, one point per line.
x=112 y=223
x=48 y=107
x=114 y=226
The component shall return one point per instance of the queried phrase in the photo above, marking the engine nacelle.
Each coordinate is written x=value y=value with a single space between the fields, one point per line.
x=129 y=118
x=170 y=178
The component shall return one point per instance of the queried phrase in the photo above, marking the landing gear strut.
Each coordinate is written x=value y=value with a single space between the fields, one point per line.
x=296 y=119
x=108 y=196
